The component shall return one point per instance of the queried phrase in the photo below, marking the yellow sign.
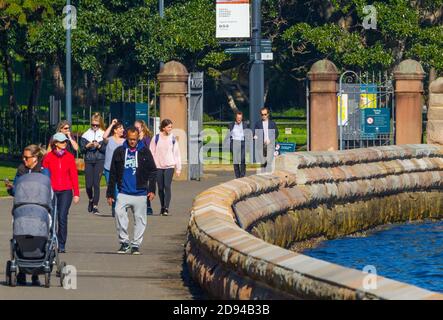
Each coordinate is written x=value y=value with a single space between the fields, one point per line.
x=368 y=100
x=342 y=109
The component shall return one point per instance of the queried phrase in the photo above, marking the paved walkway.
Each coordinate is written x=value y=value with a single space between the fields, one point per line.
x=158 y=273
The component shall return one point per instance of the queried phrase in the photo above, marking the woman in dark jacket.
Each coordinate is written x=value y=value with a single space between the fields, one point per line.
x=92 y=147
x=32 y=162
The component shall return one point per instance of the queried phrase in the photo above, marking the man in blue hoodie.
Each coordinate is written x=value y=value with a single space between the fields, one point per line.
x=133 y=170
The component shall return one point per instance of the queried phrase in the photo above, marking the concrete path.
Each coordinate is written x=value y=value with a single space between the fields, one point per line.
x=159 y=273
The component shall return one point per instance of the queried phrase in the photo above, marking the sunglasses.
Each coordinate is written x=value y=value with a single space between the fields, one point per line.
x=264 y=114
x=62 y=141
x=95 y=125
x=65 y=128
x=26 y=158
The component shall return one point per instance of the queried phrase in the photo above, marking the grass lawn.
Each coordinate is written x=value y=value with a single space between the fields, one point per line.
x=8 y=170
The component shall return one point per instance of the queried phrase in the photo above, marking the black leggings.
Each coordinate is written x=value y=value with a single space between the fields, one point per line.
x=93 y=174
x=164 y=181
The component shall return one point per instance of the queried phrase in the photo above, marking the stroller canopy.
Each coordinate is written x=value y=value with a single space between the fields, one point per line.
x=33 y=188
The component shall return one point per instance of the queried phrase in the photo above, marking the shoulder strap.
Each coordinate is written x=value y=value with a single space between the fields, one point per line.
x=157 y=137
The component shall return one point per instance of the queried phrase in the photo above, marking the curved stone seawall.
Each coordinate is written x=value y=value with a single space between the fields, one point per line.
x=310 y=194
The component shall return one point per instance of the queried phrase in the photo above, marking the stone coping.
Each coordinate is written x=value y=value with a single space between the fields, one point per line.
x=231 y=263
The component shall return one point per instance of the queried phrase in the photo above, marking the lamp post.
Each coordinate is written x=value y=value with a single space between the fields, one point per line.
x=68 y=63
x=161 y=9
x=256 y=73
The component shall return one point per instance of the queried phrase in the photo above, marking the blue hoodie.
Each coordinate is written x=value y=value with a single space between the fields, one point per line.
x=129 y=182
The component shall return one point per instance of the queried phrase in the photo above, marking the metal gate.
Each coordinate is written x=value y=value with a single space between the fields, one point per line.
x=195 y=124
x=366 y=110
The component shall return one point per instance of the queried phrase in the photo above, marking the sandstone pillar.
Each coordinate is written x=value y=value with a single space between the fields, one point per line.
x=408 y=77
x=434 y=130
x=173 y=80
x=323 y=106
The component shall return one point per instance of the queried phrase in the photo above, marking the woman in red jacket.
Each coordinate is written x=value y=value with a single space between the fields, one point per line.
x=64 y=182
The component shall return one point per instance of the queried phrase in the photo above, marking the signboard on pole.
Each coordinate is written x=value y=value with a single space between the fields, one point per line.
x=232 y=19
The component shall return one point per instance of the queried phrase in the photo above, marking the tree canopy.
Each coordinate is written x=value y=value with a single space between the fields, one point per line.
x=127 y=39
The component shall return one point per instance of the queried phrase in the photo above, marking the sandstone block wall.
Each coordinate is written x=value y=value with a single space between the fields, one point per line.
x=230 y=262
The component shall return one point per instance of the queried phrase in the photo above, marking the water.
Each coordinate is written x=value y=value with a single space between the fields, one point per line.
x=410 y=253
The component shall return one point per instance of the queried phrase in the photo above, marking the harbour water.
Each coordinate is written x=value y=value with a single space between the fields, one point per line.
x=410 y=253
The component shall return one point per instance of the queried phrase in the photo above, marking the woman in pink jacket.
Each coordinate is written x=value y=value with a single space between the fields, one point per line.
x=166 y=152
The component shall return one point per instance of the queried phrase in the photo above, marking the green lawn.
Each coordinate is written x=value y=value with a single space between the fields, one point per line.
x=8 y=170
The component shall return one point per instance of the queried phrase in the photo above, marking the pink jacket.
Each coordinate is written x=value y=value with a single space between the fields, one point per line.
x=166 y=153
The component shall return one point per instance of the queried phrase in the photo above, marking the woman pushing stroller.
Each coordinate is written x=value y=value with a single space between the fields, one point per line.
x=32 y=163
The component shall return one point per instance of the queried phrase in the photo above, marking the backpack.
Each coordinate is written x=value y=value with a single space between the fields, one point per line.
x=157 y=136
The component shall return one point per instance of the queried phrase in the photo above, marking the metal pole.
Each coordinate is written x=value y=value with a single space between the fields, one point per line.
x=256 y=73
x=161 y=9
x=68 y=65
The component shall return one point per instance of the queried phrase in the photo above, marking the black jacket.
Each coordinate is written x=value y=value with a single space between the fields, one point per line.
x=22 y=170
x=92 y=155
x=271 y=126
x=145 y=173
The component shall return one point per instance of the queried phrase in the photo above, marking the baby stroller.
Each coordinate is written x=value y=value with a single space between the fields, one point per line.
x=34 y=245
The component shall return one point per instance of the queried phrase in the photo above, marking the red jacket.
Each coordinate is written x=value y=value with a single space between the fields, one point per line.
x=63 y=171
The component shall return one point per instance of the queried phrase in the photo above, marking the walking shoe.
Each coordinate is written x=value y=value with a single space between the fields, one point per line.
x=164 y=212
x=124 y=248
x=135 y=251
x=35 y=281
x=90 y=205
x=21 y=279
x=95 y=211
x=149 y=211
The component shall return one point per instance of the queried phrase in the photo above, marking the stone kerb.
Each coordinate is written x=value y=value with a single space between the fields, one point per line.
x=230 y=262
x=434 y=130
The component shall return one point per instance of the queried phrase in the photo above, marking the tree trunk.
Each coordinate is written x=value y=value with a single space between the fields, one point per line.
x=7 y=63
x=57 y=78
x=36 y=72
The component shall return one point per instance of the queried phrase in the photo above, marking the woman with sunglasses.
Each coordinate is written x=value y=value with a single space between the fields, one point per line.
x=64 y=181
x=65 y=128
x=91 y=145
x=32 y=163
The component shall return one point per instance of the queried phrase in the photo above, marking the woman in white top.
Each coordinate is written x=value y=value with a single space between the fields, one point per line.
x=91 y=144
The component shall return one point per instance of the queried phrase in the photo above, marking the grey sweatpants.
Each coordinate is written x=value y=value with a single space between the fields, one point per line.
x=138 y=205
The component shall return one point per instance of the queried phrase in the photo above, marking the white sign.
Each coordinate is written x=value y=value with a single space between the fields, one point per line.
x=343 y=109
x=267 y=56
x=233 y=19
x=288 y=130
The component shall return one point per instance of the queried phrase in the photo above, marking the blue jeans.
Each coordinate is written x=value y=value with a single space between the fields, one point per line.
x=64 y=200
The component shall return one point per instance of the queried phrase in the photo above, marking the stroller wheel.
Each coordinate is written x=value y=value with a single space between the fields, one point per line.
x=13 y=279
x=8 y=273
x=60 y=266
x=47 y=280
x=62 y=273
